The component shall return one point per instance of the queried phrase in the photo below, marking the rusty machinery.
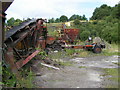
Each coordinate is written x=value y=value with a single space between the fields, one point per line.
x=25 y=41
x=68 y=36
x=21 y=42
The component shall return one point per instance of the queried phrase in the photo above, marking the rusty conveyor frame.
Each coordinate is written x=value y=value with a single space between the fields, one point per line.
x=26 y=30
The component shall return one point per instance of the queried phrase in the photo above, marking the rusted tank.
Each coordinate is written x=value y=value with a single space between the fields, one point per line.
x=71 y=34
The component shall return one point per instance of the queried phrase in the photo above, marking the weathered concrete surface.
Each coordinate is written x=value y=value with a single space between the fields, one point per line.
x=75 y=76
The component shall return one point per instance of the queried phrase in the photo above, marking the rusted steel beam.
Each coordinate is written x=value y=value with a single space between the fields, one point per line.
x=78 y=47
x=17 y=53
x=22 y=36
x=88 y=45
x=21 y=63
x=9 y=59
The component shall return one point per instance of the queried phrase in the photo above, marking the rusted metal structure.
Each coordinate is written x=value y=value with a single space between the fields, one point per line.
x=70 y=35
x=22 y=42
x=25 y=41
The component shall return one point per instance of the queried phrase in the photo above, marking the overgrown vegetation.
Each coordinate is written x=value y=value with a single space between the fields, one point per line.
x=118 y=63
x=112 y=50
x=104 y=23
x=24 y=81
x=65 y=63
x=113 y=74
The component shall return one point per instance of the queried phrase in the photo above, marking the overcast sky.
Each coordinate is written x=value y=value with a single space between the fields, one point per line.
x=54 y=8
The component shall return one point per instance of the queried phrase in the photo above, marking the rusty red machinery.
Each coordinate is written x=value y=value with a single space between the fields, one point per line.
x=25 y=41
x=21 y=42
x=68 y=36
x=72 y=34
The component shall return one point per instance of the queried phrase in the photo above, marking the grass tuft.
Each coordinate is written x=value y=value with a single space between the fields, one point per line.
x=113 y=50
x=82 y=67
x=113 y=72
x=66 y=63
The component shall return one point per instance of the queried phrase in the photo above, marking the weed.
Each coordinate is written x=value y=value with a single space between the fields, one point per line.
x=108 y=53
x=10 y=79
x=65 y=63
x=43 y=54
x=82 y=67
x=57 y=55
x=113 y=72
x=70 y=51
x=27 y=81
x=118 y=63
x=49 y=68
x=113 y=50
x=84 y=54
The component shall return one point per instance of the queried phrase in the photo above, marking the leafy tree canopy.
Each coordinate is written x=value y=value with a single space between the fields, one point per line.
x=63 y=18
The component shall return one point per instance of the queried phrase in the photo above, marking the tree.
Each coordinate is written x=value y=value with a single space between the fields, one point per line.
x=101 y=12
x=116 y=11
x=13 y=22
x=84 y=35
x=17 y=22
x=73 y=17
x=63 y=18
x=76 y=22
x=51 y=20
x=83 y=17
x=57 y=20
x=10 y=22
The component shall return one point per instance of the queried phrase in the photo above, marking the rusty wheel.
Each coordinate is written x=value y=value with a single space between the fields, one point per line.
x=97 y=49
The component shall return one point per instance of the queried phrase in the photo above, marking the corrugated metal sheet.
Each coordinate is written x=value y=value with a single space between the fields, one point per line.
x=16 y=28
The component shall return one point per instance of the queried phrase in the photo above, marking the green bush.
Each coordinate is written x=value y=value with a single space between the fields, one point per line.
x=84 y=35
x=76 y=22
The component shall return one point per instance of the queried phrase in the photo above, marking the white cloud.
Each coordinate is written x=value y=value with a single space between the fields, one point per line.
x=52 y=8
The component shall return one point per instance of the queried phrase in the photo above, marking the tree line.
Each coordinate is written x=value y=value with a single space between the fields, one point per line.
x=64 y=18
x=105 y=20
x=105 y=24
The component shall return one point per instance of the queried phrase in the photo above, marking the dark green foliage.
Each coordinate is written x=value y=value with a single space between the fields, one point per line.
x=13 y=22
x=84 y=35
x=105 y=24
x=83 y=17
x=76 y=22
x=78 y=17
x=57 y=20
x=116 y=11
x=51 y=20
x=63 y=18
x=101 y=12
x=104 y=11
x=73 y=17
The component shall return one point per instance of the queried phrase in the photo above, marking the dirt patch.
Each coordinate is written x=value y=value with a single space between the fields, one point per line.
x=91 y=76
